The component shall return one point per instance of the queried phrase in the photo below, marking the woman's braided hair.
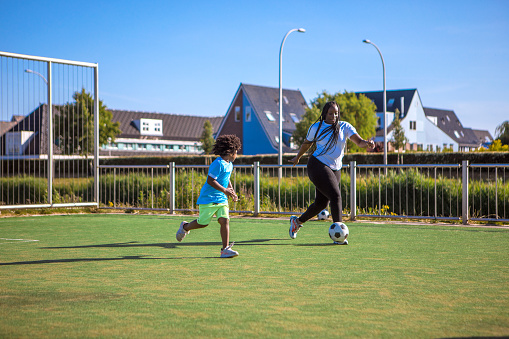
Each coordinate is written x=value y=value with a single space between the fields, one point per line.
x=331 y=132
x=226 y=144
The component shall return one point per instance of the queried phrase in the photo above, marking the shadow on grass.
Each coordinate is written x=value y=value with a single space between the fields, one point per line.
x=320 y=245
x=168 y=245
x=127 y=257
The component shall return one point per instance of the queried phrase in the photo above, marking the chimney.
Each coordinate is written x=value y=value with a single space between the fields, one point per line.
x=402 y=106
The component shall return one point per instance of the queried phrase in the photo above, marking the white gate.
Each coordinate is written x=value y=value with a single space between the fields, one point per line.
x=49 y=132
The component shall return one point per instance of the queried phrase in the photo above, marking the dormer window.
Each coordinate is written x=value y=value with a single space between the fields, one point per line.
x=294 y=117
x=149 y=126
x=269 y=115
x=390 y=103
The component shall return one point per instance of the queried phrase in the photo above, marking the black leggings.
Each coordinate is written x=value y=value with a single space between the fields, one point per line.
x=327 y=190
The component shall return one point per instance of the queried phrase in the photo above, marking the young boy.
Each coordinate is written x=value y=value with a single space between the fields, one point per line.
x=214 y=194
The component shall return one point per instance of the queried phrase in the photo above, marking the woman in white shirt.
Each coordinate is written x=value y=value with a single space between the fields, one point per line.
x=324 y=165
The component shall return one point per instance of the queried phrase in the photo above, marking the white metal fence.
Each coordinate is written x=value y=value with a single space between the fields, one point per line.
x=439 y=192
x=48 y=132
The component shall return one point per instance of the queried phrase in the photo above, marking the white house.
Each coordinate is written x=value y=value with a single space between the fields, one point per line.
x=425 y=128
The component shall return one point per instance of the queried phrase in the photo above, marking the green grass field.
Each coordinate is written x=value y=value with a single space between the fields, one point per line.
x=103 y=275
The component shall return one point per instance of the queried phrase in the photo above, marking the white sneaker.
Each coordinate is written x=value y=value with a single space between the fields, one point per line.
x=294 y=227
x=227 y=252
x=341 y=243
x=181 y=233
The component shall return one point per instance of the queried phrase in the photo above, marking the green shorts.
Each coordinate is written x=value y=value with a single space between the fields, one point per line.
x=207 y=211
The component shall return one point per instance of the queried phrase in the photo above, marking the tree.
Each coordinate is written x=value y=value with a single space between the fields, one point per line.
x=207 y=139
x=497 y=146
x=74 y=125
x=357 y=110
x=503 y=132
x=398 y=139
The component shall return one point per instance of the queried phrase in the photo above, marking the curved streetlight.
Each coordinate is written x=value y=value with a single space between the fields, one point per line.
x=385 y=101
x=280 y=153
x=37 y=73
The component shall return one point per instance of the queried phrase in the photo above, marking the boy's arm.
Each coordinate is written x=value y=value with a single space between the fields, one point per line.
x=228 y=191
x=234 y=195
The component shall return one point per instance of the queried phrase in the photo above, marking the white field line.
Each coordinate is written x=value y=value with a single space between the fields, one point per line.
x=12 y=241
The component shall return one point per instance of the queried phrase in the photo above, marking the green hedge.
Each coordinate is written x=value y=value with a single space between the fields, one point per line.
x=360 y=158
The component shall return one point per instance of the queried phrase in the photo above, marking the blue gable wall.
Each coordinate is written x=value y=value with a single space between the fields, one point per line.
x=255 y=140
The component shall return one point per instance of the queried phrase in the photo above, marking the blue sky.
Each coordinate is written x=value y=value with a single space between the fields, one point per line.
x=189 y=57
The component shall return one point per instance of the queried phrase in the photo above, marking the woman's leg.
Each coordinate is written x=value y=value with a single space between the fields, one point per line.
x=326 y=182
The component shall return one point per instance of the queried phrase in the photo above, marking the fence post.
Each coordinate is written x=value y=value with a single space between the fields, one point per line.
x=114 y=187
x=152 y=187
x=50 y=138
x=96 y=134
x=435 y=191
x=353 y=190
x=172 y=187
x=256 y=192
x=464 y=198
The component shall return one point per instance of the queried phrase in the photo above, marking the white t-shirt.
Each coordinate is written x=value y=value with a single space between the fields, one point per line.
x=334 y=157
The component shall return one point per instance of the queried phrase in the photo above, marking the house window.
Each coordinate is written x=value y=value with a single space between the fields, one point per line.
x=390 y=103
x=237 y=113
x=413 y=125
x=286 y=100
x=248 y=114
x=294 y=117
x=269 y=115
x=456 y=134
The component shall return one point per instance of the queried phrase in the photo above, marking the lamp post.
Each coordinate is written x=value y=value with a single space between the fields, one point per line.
x=37 y=73
x=385 y=101
x=280 y=153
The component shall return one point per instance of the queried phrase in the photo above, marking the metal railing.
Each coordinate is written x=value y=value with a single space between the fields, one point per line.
x=438 y=192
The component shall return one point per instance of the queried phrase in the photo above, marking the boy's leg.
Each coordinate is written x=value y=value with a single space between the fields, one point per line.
x=202 y=221
x=225 y=231
x=223 y=218
x=193 y=225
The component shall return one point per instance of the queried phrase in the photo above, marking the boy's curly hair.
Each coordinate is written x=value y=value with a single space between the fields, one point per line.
x=226 y=144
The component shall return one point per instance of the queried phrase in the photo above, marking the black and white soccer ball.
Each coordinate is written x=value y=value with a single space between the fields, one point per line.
x=323 y=215
x=338 y=232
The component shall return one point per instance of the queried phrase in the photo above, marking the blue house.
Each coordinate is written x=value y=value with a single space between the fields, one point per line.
x=253 y=116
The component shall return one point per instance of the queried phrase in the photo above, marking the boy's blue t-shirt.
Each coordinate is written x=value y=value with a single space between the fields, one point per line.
x=220 y=170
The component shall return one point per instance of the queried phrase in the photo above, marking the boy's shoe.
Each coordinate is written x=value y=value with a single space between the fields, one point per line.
x=294 y=227
x=341 y=243
x=227 y=252
x=181 y=233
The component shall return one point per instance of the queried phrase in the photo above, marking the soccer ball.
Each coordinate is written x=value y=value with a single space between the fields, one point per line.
x=338 y=232
x=323 y=215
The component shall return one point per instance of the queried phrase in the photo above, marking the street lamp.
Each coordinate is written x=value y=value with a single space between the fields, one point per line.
x=37 y=73
x=385 y=101
x=280 y=153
